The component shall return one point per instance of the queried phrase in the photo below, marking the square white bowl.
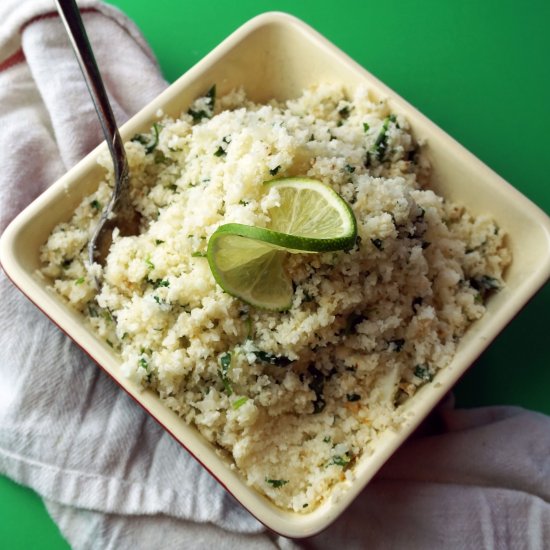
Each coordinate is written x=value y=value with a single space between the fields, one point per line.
x=276 y=56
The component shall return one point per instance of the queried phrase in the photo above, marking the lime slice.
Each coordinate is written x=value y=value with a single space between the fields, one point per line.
x=247 y=261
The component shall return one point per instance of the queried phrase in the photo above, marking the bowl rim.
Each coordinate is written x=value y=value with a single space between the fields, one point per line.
x=283 y=522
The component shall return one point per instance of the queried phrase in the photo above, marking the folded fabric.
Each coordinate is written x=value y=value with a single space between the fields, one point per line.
x=110 y=476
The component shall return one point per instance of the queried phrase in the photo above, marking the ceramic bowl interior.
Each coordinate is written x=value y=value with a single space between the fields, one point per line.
x=276 y=56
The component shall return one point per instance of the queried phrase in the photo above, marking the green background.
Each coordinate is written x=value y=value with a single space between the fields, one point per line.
x=479 y=69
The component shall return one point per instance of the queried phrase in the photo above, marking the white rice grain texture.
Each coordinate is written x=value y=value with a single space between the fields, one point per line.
x=295 y=398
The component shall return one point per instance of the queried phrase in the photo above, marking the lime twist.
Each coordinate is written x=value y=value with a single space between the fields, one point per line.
x=247 y=261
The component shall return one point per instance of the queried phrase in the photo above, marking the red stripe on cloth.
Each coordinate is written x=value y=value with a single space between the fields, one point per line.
x=50 y=15
x=17 y=57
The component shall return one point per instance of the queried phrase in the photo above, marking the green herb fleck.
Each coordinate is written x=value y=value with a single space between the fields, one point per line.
x=317 y=385
x=158 y=241
x=96 y=204
x=143 y=363
x=326 y=439
x=243 y=202
x=211 y=100
x=219 y=152
x=225 y=365
x=150 y=141
x=397 y=344
x=344 y=112
x=366 y=127
x=149 y=263
x=349 y=168
x=423 y=372
x=378 y=243
x=276 y=483
x=381 y=142
x=198 y=254
x=351 y=397
x=339 y=460
x=79 y=281
x=485 y=285
x=239 y=403
x=275 y=170
x=278 y=360
x=305 y=505
x=159 y=283
x=161 y=158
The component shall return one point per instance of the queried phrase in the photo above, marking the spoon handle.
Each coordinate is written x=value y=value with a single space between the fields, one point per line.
x=70 y=15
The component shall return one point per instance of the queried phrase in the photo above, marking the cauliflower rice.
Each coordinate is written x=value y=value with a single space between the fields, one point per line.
x=294 y=399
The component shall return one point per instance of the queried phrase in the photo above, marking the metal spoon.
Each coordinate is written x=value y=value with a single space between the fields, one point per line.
x=119 y=212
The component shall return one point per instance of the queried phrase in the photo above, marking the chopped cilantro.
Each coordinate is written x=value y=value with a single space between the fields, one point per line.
x=276 y=483
x=339 y=460
x=158 y=241
x=317 y=385
x=149 y=263
x=274 y=171
x=211 y=100
x=151 y=141
x=159 y=283
x=423 y=372
x=239 y=403
x=396 y=345
x=485 y=285
x=381 y=142
x=161 y=158
x=243 y=202
x=79 y=281
x=143 y=363
x=326 y=439
x=220 y=151
x=278 y=360
x=344 y=112
x=109 y=343
x=225 y=365
x=378 y=243
x=366 y=127
x=351 y=397
x=96 y=204
x=349 y=168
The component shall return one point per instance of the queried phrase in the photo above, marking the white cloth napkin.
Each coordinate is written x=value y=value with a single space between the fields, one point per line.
x=110 y=476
